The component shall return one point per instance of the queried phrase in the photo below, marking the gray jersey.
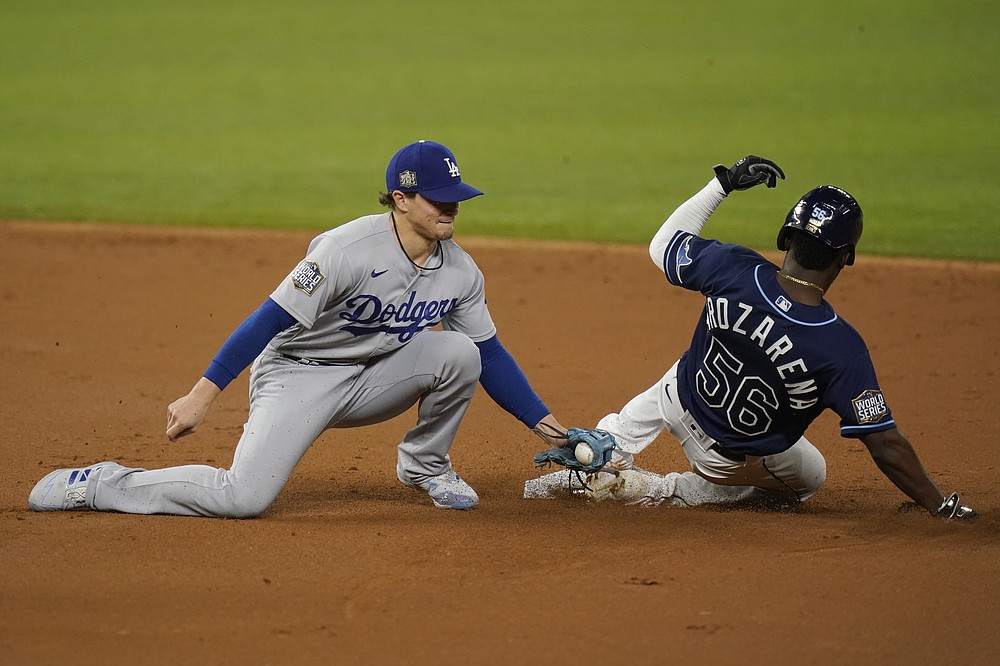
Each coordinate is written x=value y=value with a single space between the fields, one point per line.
x=356 y=295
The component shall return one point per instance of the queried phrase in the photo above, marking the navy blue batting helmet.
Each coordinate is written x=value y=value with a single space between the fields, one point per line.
x=826 y=213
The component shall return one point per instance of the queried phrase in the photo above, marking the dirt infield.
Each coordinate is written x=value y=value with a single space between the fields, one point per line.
x=103 y=326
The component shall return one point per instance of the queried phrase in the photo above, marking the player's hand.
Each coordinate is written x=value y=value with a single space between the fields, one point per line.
x=185 y=414
x=550 y=431
x=952 y=509
x=748 y=172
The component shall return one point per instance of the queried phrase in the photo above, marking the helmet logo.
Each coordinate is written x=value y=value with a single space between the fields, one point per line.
x=821 y=214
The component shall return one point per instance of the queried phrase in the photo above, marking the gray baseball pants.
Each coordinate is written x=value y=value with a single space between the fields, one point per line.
x=291 y=404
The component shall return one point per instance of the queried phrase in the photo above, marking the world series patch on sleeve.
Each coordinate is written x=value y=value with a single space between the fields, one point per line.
x=307 y=276
x=869 y=407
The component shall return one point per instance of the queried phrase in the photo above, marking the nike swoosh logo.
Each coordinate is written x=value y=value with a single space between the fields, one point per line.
x=375 y=273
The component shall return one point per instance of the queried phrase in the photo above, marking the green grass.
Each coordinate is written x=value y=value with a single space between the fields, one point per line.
x=581 y=120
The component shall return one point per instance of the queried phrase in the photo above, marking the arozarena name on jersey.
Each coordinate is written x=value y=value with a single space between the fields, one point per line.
x=743 y=320
x=369 y=315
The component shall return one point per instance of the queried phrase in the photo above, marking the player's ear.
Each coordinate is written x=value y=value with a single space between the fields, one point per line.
x=401 y=201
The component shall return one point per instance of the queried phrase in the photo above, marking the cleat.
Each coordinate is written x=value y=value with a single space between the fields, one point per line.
x=64 y=489
x=448 y=490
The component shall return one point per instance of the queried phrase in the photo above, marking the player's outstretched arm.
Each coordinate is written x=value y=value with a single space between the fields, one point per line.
x=185 y=414
x=692 y=215
x=894 y=455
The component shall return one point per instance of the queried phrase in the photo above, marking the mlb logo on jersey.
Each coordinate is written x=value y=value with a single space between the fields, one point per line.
x=869 y=407
x=307 y=276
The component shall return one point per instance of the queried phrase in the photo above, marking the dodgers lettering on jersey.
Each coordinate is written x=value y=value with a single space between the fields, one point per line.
x=368 y=315
x=356 y=295
x=762 y=367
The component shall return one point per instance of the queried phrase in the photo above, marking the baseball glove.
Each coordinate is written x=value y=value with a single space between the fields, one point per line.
x=585 y=451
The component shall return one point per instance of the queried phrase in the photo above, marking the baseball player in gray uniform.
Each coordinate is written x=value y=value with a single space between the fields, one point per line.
x=343 y=341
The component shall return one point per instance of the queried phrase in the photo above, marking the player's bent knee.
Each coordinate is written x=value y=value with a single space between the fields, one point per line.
x=247 y=510
x=813 y=474
x=801 y=469
x=463 y=356
x=246 y=504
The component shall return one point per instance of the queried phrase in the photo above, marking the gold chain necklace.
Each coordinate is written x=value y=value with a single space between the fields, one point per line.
x=804 y=283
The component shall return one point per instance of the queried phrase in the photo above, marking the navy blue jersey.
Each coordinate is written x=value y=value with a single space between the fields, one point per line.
x=762 y=367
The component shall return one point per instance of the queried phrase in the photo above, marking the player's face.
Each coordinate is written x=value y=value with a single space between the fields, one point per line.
x=431 y=220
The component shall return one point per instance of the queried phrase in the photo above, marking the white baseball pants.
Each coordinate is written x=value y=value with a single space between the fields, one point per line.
x=717 y=478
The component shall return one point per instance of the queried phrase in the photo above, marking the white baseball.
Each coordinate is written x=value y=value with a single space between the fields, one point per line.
x=584 y=454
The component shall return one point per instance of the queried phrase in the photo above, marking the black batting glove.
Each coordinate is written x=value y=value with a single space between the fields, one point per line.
x=748 y=172
x=952 y=509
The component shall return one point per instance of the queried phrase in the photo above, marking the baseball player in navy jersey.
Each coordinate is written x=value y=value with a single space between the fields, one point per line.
x=343 y=341
x=768 y=355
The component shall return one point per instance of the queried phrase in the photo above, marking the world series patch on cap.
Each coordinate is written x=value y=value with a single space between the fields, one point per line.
x=429 y=168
